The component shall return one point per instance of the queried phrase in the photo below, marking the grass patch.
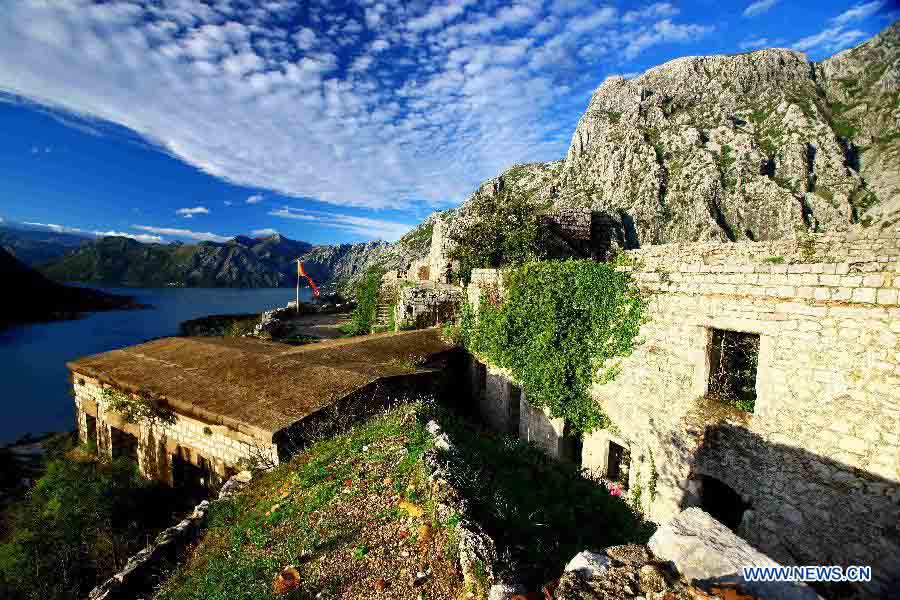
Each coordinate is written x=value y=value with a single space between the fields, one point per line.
x=341 y=513
x=540 y=512
x=774 y=260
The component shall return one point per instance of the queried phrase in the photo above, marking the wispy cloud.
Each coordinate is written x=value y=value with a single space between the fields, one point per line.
x=182 y=233
x=255 y=199
x=141 y=237
x=836 y=36
x=381 y=105
x=759 y=7
x=228 y=203
x=188 y=213
x=754 y=43
x=364 y=227
x=263 y=232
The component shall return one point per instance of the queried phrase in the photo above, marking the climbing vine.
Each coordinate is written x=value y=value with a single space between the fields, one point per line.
x=367 y=294
x=138 y=407
x=560 y=327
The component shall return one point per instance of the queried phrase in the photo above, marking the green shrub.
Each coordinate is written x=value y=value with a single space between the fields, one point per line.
x=504 y=230
x=79 y=524
x=561 y=326
x=367 y=291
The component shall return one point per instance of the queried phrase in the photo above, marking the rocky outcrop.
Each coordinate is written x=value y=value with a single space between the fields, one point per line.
x=761 y=145
x=744 y=146
x=706 y=552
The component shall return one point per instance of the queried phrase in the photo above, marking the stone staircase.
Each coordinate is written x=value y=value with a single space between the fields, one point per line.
x=383 y=314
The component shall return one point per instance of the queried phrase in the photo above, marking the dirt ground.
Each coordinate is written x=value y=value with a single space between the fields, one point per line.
x=320 y=325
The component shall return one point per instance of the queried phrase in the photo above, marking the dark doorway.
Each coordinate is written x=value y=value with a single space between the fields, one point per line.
x=192 y=479
x=90 y=431
x=721 y=502
x=733 y=360
x=617 y=464
x=515 y=403
x=124 y=444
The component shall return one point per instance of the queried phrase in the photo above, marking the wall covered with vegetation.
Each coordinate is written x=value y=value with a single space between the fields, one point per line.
x=557 y=327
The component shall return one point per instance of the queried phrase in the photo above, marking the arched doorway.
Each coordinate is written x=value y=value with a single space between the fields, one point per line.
x=722 y=502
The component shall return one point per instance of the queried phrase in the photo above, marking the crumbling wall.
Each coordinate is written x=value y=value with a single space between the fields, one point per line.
x=818 y=460
x=222 y=449
x=421 y=306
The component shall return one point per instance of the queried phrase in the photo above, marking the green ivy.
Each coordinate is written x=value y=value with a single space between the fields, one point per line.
x=367 y=294
x=560 y=327
x=138 y=407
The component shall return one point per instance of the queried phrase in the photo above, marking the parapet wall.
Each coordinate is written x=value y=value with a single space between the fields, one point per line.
x=817 y=463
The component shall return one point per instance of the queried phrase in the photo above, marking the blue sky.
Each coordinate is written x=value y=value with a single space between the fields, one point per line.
x=324 y=120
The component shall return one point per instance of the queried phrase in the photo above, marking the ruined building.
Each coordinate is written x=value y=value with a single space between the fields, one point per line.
x=240 y=402
x=804 y=336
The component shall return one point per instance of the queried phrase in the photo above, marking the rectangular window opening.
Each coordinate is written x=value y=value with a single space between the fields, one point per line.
x=733 y=360
x=618 y=461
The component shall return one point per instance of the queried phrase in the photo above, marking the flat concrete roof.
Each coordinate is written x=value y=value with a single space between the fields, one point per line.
x=255 y=386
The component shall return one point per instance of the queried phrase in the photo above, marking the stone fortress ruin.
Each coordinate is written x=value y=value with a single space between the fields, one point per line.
x=806 y=332
x=802 y=335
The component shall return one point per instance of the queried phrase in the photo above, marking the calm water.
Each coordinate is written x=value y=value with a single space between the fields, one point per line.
x=34 y=386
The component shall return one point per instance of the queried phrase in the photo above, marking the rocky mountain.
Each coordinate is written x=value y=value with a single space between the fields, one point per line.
x=759 y=145
x=240 y=262
x=749 y=146
x=29 y=296
x=36 y=246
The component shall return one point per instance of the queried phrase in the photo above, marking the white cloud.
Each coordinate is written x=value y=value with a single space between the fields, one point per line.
x=141 y=237
x=182 y=233
x=188 y=213
x=228 y=203
x=858 y=13
x=239 y=96
x=664 y=31
x=255 y=199
x=759 y=7
x=830 y=40
x=836 y=37
x=754 y=43
x=263 y=232
x=660 y=10
x=438 y=15
x=364 y=227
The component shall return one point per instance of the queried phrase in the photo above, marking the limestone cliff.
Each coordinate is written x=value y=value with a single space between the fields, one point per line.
x=759 y=145
x=756 y=145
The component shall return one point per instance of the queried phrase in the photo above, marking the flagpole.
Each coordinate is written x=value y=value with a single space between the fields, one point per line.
x=298 y=286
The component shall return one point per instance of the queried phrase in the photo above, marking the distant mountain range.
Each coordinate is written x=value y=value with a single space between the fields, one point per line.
x=35 y=246
x=29 y=296
x=242 y=262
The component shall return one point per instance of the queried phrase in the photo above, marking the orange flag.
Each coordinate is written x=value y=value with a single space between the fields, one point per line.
x=302 y=273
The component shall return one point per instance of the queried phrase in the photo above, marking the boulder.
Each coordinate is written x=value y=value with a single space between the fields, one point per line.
x=707 y=553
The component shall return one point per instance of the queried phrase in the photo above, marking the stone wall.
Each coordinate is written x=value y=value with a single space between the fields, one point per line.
x=504 y=407
x=214 y=448
x=817 y=463
x=423 y=305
